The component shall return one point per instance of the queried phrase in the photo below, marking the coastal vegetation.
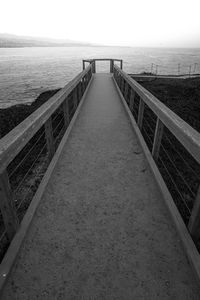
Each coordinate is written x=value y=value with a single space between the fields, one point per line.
x=12 y=116
x=180 y=95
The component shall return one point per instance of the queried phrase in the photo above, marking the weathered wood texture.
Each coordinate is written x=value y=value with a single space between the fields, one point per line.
x=157 y=139
x=140 y=113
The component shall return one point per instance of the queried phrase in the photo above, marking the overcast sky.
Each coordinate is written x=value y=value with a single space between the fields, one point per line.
x=113 y=22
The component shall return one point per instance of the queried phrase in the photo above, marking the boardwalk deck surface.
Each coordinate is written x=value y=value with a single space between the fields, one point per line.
x=102 y=230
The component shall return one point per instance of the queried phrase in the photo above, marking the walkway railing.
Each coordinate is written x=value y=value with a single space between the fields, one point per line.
x=93 y=63
x=175 y=147
x=28 y=149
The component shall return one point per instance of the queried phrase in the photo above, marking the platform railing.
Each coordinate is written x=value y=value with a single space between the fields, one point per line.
x=94 y=60
x=26 y=151
x=174 y=145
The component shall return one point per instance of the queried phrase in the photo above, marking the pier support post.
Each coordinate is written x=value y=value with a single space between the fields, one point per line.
x=157 y=139
x=111 y=65
x=140 y=114
x=93 y=66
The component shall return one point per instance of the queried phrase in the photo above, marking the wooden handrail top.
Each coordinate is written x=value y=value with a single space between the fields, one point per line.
x=102 y=59
x=12 y=143
x=187 y=135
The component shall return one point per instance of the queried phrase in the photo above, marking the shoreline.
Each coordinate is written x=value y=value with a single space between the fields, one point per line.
x=11 y=116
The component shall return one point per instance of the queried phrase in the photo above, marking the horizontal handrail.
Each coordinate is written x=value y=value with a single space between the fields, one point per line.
x=15 y=140
x=102 y=59
x=187 y=135
x=93 y=63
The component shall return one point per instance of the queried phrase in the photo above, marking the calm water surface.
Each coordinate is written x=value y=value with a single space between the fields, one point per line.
x=26 y=72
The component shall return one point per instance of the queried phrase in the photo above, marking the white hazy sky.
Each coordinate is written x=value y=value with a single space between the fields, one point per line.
x=113 y=22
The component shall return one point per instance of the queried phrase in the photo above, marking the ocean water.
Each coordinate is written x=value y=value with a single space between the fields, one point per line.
x=26 y=72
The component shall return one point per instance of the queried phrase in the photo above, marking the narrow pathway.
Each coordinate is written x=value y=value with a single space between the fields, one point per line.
x=102 y=230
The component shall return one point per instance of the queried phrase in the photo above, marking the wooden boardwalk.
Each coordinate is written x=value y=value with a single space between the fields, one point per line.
x=102 y=230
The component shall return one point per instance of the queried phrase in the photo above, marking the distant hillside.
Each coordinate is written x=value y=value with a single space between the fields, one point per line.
x=14 y=41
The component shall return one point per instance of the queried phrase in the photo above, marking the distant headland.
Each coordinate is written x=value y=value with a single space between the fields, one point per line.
x=15 y=41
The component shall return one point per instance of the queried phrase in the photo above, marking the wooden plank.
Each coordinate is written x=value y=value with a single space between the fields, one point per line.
x=49 y=138
x=140 y=114
x=111 y=65
x=7 y=206
x=186 y=135
x=115 y=75
x=15 y=140
x=194 y=221
x=94 y=66
x=157 y=139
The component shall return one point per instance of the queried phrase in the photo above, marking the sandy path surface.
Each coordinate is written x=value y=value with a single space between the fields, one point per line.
x=102 y=230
